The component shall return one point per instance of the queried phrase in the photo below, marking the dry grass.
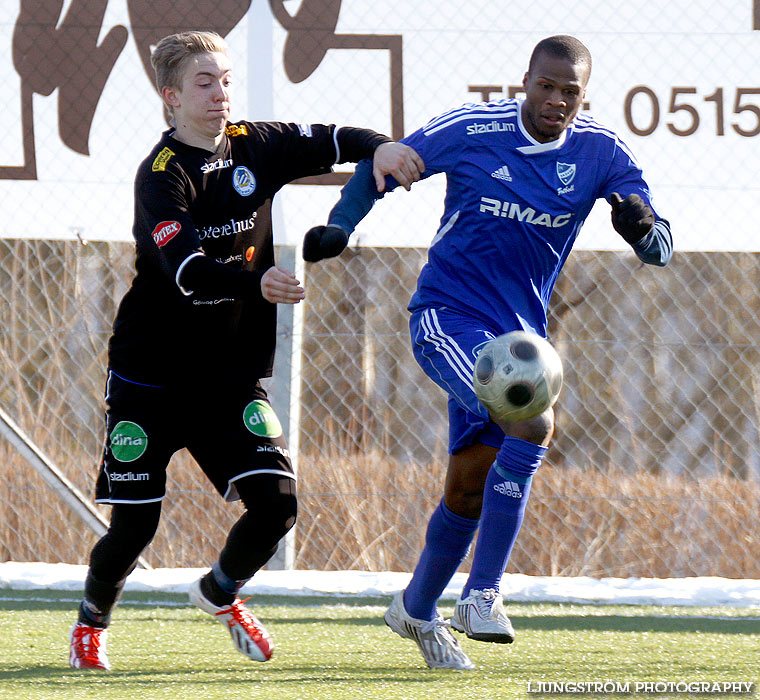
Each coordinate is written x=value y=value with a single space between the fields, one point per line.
x=366 y=512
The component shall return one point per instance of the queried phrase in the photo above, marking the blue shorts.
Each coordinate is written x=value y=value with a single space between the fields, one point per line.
x=445 y=345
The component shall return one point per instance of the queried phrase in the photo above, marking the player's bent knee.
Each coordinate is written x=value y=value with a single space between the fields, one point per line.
x=272 y=498
x=466 y=504
x=538 y=430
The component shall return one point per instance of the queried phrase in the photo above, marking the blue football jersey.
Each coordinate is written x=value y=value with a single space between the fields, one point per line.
x=513 y=208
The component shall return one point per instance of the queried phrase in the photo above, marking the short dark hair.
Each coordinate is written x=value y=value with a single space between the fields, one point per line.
x=561 y=46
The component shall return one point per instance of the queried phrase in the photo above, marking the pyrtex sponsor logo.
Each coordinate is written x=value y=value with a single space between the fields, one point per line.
x=512 y=210
x=165 y=231
x=259 y=417
x=128 y=441
x=489 y=128
x=129 y=476
x=217 y=164
x=508 y=488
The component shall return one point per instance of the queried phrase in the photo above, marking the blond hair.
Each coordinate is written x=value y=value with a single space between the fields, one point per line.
x=172 y=53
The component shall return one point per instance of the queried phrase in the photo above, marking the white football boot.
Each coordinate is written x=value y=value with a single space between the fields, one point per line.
x=481 y=617
x=248 y=634
x=439 y=647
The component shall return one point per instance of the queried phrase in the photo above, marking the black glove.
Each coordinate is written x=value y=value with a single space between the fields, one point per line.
x=324 y=242
x=631 y=217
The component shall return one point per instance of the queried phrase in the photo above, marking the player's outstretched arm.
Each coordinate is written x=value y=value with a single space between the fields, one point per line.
x=399 y=161
x=357 y=198
x=322 y=242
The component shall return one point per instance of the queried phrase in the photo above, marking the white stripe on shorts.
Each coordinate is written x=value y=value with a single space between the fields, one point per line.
x=455 y=357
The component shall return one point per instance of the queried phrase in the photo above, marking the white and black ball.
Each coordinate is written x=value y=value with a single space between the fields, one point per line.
x=517 y=376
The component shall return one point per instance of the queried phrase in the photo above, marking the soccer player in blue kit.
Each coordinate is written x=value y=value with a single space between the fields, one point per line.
x=522 y=176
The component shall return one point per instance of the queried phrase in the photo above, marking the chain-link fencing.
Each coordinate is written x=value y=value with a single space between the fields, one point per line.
x=653 y=471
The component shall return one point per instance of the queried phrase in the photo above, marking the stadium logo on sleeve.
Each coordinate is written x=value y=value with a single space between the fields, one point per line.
x=243 y=181
x=162 y=159
x=165 y=231
x=128 y=441
x=259 y=417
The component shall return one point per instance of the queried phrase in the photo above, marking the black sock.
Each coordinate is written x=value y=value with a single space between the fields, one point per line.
x=100 y=598
x=214 y=593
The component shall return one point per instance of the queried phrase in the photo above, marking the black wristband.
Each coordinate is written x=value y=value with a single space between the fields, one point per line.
x=356 y=144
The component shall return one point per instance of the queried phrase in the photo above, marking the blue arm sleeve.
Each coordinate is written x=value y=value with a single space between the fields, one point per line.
x=656 y=248
x=357 y=197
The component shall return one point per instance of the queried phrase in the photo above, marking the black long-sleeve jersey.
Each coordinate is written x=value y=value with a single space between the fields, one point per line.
x=203 y=234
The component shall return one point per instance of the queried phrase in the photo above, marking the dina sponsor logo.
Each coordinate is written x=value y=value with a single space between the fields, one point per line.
x=128 y=441
x=259 y=417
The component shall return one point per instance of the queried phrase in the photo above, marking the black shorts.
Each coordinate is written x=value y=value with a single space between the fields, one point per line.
x=230 y=435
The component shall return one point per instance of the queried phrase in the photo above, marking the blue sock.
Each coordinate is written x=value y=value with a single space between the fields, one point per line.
x=448 y=538
x=504 y=500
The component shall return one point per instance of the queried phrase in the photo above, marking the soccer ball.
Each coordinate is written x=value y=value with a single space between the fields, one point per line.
x=517 y=376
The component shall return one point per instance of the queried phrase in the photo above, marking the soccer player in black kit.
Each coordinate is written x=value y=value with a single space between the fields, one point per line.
x=196 y=331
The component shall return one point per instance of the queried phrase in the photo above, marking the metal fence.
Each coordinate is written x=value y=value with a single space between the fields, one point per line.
x=655 y=466
x=654 y=469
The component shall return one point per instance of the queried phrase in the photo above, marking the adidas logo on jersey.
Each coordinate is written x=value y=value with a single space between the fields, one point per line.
x=502 y=173
x=508 y=488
